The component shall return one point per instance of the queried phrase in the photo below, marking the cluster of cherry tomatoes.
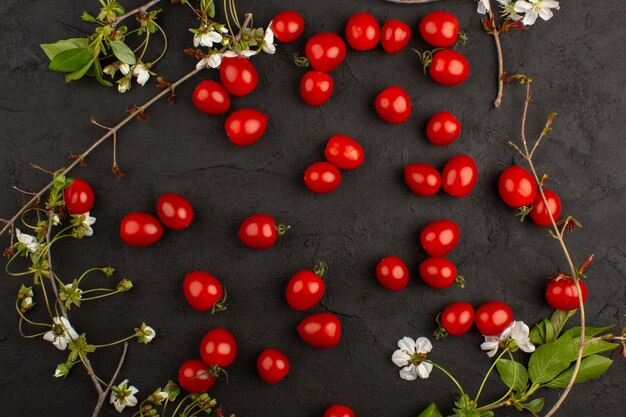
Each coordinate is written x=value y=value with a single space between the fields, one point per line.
x=341 y=152
x=491 y=318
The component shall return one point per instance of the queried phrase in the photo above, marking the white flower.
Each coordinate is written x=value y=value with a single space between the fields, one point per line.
x=517 y=332
x=536 y=8
x=483 y=6
x=206 y=39
x=161 y=396
x=123 y=85
x=61 y=334
x=123 y=396
x=145 y=334
x=87 y=223
x=56 y=220
x=248 y=53
x=124 y=68
x=142 y=73
x=213 y=61
x=507 y=8
x=411 y=357
x=268 y=40
x=27 y=240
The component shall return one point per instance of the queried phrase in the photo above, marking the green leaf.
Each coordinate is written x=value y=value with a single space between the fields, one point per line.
x=430 y=411
x=535 y=405
x=591 y=368
x=537 y=334
x=507 y=368
x=123 y=52
x=76 y=75
x=549 y=360
x=71 y=60
x=88 y=18
x=589 y=331
x=597 y=346
x=559 y=318
x=98 y=73
x=551 y=334
x=53 y=49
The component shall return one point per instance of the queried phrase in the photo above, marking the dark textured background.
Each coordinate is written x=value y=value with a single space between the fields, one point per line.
x=577 y=60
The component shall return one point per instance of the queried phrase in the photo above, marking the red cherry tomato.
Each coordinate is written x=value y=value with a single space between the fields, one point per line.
x=245 y=126
x=422 y=179
x=438 y=272
x=337 y=410
x=174 y=211
x=272 y=365
x=344 y=152
x=288 y=26
x=316 y=88
x=457 y=318
x=562 y=294
x=443 y=129
x=539 y=214
x=203 y=291
x=78 y=197
x=392 y=273
x=362 y=31
x=440 y=29
x=218 y=347
x=440 y=237
x=325 y=51
x=238 y=75
x=140 y=229
x=258 y=231
x=321 y=330
x=393 y=105
x=459 y=176
x=493 y=317
x=322 y=178
x=195 y=376
x=305 y=289
x=211 y=97
x=395 y=36
x=449 y=67
x=517 y=187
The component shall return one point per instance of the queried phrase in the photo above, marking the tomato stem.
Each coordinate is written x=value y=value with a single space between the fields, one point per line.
x=320 y=269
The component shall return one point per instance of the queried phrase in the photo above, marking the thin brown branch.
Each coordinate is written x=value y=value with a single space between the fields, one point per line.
x=24 y=191
x=496 y=38
x=39 y=168
x=103 y=395
x=133 y=12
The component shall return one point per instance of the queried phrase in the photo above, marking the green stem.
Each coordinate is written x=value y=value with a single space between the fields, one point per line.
x=493 y=365
x=145 y=47
x=448 y=375
x=34 y=323
x=165 y=43
x=180 y=404
x=96 y=297
x=82 y=359
x=510 y=388
x=116 y=342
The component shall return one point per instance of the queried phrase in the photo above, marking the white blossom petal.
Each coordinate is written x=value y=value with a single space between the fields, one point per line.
x=483 y=6
x=400 y=358
x=423 y=345
x=424 y=369
x=248 y=53
x=407 y=344
x=409 y=373
x=124 y=68
x=491 y=344
x=214 y=37
x=215 y=60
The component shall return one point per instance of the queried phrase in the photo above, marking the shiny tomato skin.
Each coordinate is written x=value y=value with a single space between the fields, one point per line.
x=194 y=376
x=272 y=365
x=539 y=214
x=493 y=317
x=449 y=67
x=443 y=129
x=218 y=347
x=140 y=229
x=321 y=330
x=325 y=51
x=304 y=290
x=362 y=31
x=517 y=187
x=344 y=152
x=438 y=272
x=174 y=211
x=440 y=237
x=258 y=231
x=322 y=178
x=245 y=126
x=457 y=318
x=288 y=26
x=210 y=97
x=337 y=410
x=78 y=197
x=562 y=294
x=459 y=176
x=395 y=36
x=202 y=290
x=316 y=87
x=238 y=75
x=392 y=273
x=393 y=105
x=423 y=179
x=440 y=29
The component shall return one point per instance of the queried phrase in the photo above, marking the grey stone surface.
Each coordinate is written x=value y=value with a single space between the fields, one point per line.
x=577 y=60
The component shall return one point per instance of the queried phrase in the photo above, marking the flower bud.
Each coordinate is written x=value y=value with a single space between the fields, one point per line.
x=124 y=285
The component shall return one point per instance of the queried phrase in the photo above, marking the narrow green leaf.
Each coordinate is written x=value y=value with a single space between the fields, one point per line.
x=537 y=334
x=76 y=75
x=591 y=367
x=123 y=52
x=535 y=405
x=506 y=369
x=98 y=73
x=559 y=318
x=550 y=359
x=589 y=331
x=551 y=334
x=53 y=49
x=430 y=411
x=70 y=60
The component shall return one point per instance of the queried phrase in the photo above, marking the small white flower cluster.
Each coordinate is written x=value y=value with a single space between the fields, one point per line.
x=207 y=37
x=525 y=10
x=140 y=71
x=517 y=332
